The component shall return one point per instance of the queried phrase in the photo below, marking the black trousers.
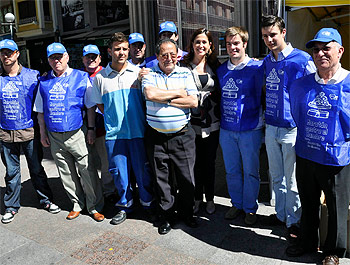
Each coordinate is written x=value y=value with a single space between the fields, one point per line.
x=178 y=150
x=335 y=183
x=204 y=169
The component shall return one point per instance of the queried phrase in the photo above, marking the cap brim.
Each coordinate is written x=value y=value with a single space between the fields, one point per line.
x=160 y=32
x=310 y=43
x=86 y=53
x=49 y=54
x=10 y=48
x=132 y=42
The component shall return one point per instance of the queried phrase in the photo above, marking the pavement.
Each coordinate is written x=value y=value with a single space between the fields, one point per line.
x=38 y=237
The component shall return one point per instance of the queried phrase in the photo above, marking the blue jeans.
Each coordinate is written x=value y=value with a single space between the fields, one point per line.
x=124 y=154
x=241 y=157
x=280 y=147
x=12 y=152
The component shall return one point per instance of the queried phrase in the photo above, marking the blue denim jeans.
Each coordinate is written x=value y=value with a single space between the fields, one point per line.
x=12 y=152
x=124 y=154
x=241 y=157
x=280 y=147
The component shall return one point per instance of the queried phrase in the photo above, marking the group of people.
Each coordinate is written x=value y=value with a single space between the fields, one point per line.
x=159 y=120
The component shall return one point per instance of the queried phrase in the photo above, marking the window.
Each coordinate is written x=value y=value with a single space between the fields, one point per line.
x=27 y=12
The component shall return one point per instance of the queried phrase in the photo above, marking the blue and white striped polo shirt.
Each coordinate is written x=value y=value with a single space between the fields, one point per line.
x=162 y=117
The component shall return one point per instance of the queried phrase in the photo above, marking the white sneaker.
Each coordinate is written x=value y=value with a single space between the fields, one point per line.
x=210 y=209
x=52 y=208
x=8 y=217
x=196 y=206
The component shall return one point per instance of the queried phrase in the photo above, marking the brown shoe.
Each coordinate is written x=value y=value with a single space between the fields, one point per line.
x=72 y=215
x=331 y=260
x=98 y=217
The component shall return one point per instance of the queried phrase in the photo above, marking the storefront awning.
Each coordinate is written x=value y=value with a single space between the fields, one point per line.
x=314 y=3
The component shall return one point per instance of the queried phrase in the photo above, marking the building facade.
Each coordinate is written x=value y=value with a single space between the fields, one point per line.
x=76 y=23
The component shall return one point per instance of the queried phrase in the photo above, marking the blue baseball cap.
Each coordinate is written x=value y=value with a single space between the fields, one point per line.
x=167 y=26
x=325 y=35
x=91 y=49
x=55 y=48
x=136 y=37
x=8 y=44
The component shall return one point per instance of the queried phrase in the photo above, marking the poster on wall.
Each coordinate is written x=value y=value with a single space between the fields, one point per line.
x=109 y=11
x=72 y=14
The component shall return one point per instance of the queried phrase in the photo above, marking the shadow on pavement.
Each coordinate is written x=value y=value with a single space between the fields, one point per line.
x=29 y=199
x=236 y=236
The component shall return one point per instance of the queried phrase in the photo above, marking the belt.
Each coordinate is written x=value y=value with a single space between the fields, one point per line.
x=182 y=131
x=66 y=131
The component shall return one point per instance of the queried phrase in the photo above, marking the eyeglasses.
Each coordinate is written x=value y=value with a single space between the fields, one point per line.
x=56 y=57
x=316 y=50
x=7 y=53
x=166 y=56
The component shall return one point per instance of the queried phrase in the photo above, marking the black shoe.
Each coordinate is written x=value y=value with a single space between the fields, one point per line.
x=271 y=220
x=119 y=218
x=164 y=228
x=293 y=234
x=151 y=215
x=298 y=250
x=190 y=222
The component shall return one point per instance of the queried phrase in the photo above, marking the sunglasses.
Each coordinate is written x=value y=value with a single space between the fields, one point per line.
x=8 y=53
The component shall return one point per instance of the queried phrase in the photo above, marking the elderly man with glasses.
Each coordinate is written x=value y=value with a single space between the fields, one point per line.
x=170 y=92
x=59 y=103
x=321 y=110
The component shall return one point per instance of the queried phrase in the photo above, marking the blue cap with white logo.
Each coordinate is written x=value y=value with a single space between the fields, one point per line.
x=325 y=35
x=90 y=49
x=167 y=26
x=55 y=48
x=8 y=44
x=136 y=37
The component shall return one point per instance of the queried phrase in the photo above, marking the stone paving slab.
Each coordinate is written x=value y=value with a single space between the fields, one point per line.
x=31 y=253
x=163 y=255
x=10 y=241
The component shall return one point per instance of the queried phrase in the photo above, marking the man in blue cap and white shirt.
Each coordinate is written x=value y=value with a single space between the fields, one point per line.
x=96 y=135
x=137 y=51
x=167 y=30
x=59 y=103
x=321 y=110
x=18 y=87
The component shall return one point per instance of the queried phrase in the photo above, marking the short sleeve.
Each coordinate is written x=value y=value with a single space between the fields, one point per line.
x=38 y=104
x=93 y=92
x=191 y=87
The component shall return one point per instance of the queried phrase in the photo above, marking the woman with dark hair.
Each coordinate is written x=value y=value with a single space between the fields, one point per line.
x=202 y=62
